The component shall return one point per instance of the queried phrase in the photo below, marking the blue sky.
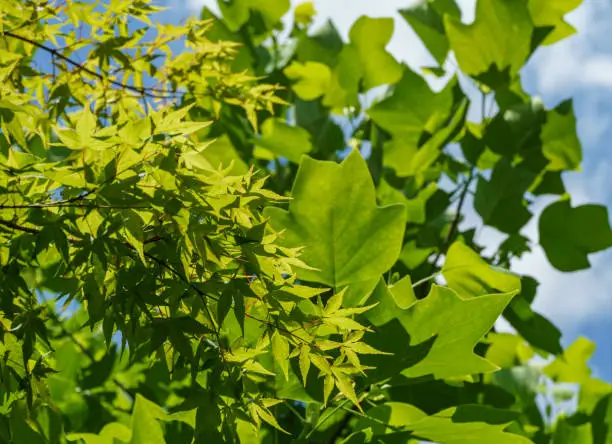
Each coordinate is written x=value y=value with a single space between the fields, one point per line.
x=579 y=303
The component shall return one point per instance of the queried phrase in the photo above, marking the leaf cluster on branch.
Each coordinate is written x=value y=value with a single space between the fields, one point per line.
x=208 y=235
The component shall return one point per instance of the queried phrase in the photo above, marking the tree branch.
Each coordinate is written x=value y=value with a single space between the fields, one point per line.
x=451 y=231
x=143 y=91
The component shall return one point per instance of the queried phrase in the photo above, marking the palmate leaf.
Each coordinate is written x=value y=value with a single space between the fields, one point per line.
x=403 y=155
x=143 y=208
x=311 y=79
x=236 y=13
x=426 y=17
x=560 y=143
x=499 y=39
x=569 y=234
x=545 y=13
x=284 y=140
x=412 y=107
x=533 y=327
x=500 y=201
x=280 y=350
x=369 y=37
x=333 y=214
x=323 y=45
x=469 y=275
x=572 y=366
x=465 y=424
x=434 y=336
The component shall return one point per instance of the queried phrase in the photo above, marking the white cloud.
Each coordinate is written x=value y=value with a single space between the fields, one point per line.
x=598 y=71
x=197 y=5
x=578 y=62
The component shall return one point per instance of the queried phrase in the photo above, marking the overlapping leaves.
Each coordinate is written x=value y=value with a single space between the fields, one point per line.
x=131 y=193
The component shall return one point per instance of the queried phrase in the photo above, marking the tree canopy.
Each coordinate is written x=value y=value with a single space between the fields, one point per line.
x=208 y=235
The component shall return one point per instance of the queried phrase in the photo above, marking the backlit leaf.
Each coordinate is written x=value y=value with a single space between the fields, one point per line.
x=347 y=240
x=569 y=234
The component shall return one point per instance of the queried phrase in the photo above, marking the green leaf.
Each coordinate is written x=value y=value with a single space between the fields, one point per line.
x=284 y=140
x=469 y=275
x=333 y=213
x=370 y=36
x=271 y=10
x=385 y=418
x=265 y=414
x=408 y=160
x=344 y=323
x=345 y=81
x=111 y=433
x=576 y=429
x=572 y=365
x=545 y=13
x=345 y=385
x=388 y=307
x=568 y=235
x=500 y=201
x=145 y=426
x=464 y=424
x=435 y=336
x=304 y=362
x=280 y=350
x=499 y=39
x=532 y=326
x=403 y=292
x=411 y=108
x=221 y=154
x=133 y=232
x=328 y=387
x=601 y=421
x=236 y=13
x=304 y=13
x=311 y=79
x=426 y=18
x=592 y=392
x=560 y=142
x=256 y=367
x=322 y=46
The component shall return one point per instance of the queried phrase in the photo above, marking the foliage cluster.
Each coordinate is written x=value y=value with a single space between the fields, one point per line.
x=207 y=233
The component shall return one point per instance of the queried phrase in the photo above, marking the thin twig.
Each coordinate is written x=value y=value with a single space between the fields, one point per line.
x=456 y=219
x=143 y=91
x=15 y=226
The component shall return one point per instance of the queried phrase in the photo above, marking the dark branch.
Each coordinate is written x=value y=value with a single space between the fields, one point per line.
x=142 y=91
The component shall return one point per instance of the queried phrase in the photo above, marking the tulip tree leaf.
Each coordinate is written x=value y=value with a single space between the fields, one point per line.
x=469 y=275
x=145 y=425
x=500 y=202
x=411 y=108
x=221 y=154
x=499 y=38
x=237 y=12
x=426 y=18
x=435 y=336
x=216 y=229
x=545 y=13
x=457 y=425
x=284 y=140
x=408 y=160
x=369 y=37
x=312 y=79
x=569 y=234
x=321 y=46
x=572 y=366
x=560 y=143
x=347 y=239
x=532 y=326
